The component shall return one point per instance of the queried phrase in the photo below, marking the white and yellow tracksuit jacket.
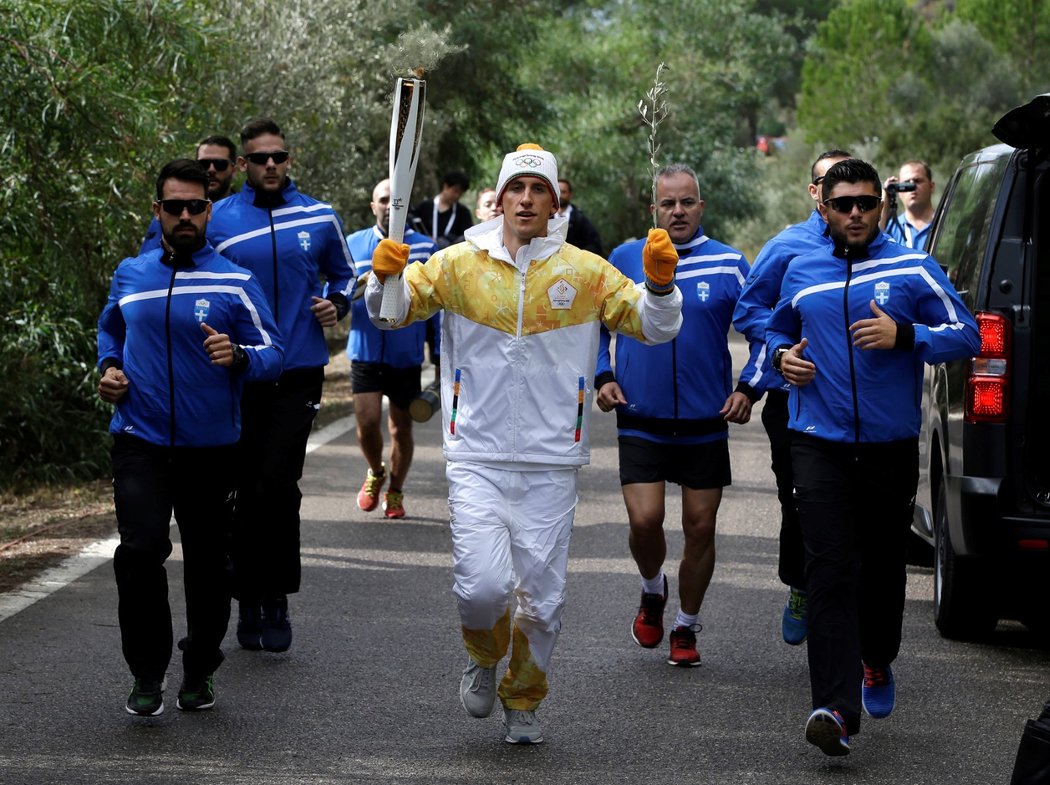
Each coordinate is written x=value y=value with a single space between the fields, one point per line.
x=520 y=341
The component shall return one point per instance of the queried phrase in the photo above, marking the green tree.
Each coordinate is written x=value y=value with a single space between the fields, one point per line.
x=1020 y=30
x=87 y=88
x=723 y=63
x=854 y=60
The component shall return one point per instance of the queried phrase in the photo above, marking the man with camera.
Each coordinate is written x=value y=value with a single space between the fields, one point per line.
x=915 y=186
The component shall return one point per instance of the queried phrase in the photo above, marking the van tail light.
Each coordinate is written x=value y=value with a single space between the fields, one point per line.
x=988 y=385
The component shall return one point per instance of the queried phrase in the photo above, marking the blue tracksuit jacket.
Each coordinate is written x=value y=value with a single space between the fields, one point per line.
x=762 y=290
x=872 y=395
x=402 y=348
x=151 y=327
x=676 y=390
x=289 y=246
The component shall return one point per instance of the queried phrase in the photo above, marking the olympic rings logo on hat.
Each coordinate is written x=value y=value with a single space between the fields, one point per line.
x=531 y=161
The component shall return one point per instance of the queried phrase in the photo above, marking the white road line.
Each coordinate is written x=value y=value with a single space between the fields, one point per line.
x=101 y=551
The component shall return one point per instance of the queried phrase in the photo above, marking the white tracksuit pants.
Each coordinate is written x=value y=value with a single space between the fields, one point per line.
x=510 y=534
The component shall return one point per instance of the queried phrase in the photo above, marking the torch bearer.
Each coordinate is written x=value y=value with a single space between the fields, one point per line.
x=406 y=131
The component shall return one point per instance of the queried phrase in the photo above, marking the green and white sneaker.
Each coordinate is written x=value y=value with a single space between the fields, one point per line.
x=146 y=698
x=196 y=694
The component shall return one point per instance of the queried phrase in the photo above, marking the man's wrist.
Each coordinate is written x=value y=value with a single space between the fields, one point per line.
x=240 y=358
x=778 y=358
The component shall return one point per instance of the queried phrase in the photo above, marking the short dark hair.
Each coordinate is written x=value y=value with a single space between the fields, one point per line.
x=258 y=127
x=923 y=164
x=852 y=170
x=455 y=178
x=567 y=181
x=184 y=170
x=823 y=157
x=219 y=141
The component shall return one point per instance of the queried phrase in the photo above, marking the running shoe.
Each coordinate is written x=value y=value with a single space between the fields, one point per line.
x=795 y=626
x=477 y=689
x=648 y=627
x=394 y=504
x=146 y=698
x=249 y=625
x=368 y=496
x=196 y=693
x=878 y=692
x=522 y=727
x=683 y=647
x=276 y=626
x=826 y=729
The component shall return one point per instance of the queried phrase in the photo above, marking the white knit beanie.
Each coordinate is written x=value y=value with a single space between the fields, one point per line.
x=533 y=160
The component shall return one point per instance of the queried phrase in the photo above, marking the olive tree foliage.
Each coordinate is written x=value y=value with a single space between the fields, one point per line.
x=324 y=70
x=87 y=89
x=881 y=73
x=1020 y=31
x=723 y=63
x=853 y=63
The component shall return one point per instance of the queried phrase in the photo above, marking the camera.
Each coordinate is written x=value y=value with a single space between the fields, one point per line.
x=894 y=188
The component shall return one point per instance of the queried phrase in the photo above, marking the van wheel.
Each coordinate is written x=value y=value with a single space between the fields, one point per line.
x=962 y=607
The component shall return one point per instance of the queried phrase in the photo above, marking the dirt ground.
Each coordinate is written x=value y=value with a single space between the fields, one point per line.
x=39 y=530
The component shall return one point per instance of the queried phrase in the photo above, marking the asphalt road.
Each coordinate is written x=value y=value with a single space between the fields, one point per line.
x=369 y=691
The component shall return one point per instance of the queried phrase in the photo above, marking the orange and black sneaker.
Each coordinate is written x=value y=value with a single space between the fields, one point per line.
x=683 y=647
x=648 y=627
x=368 y=496
x=394 y=504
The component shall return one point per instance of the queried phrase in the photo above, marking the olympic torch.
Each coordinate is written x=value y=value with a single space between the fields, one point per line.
x=406 y=131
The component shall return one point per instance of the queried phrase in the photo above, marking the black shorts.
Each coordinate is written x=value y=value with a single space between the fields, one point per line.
x=695 y=466
x=400 y=385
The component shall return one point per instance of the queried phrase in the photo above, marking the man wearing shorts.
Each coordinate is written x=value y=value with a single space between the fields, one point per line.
x=673 y=404
x=386 y=363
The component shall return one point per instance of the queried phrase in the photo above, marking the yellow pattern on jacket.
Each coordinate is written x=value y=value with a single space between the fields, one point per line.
x=520 y=339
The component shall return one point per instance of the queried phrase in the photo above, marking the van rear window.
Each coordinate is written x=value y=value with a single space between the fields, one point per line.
x=962 y=232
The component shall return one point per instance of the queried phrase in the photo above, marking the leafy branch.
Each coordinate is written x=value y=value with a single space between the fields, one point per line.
x=654 y=110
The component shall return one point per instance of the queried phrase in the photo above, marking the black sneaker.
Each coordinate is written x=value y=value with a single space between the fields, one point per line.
x=196 y=694
x=146 y=698
x=276 y=626
x=249 y=625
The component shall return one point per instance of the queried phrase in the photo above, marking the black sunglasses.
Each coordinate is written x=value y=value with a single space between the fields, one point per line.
x=220 y=164
x=260 y=159
x=176 y=206
x=845 y=204
x=818 y=180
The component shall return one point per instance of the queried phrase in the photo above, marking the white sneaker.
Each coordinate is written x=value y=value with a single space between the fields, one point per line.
x=522 y=727
x=477 y=689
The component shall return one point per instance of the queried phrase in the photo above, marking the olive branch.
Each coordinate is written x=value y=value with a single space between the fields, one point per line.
x=654 y=109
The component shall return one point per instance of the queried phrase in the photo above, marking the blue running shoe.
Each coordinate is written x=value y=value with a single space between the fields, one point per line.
x=794 y=625
x=826 y=729
x=878 y=692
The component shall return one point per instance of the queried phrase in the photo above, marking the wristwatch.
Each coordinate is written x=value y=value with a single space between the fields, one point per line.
x=778 y=355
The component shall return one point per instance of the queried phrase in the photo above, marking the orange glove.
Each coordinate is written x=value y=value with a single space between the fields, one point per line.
x=389 y=258
x=659 y=260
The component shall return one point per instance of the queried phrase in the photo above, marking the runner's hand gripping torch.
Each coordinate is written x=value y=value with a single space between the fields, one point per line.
x=406 y=131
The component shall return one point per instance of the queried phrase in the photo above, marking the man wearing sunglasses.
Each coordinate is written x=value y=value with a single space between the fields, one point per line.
x=296 y=247
x=217 y=156
x=750 y=317
x=183 y=330
x=855 y=323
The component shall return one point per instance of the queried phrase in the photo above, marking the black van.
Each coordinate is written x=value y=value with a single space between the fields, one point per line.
x=983 y=501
